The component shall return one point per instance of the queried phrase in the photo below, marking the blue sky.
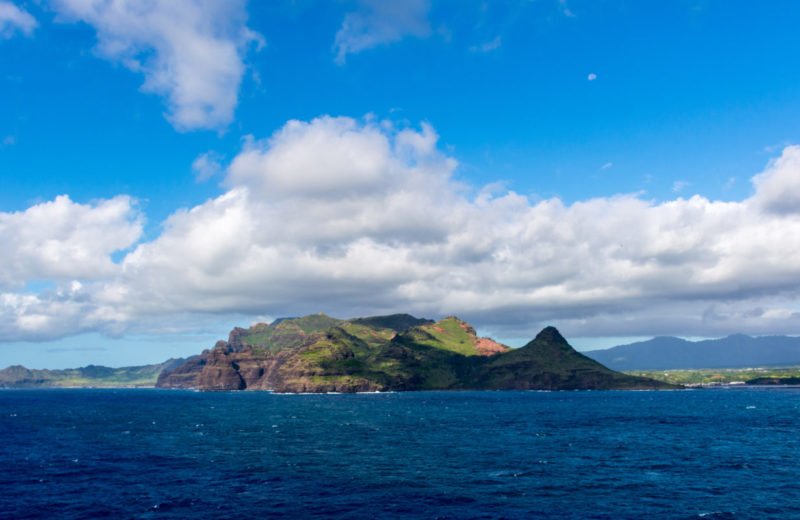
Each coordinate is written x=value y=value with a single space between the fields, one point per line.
x=634 y=105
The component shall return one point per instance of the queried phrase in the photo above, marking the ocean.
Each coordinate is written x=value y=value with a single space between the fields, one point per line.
x=721 y=453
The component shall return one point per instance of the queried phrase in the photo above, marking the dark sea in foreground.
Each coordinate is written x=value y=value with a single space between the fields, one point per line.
x=725 y=453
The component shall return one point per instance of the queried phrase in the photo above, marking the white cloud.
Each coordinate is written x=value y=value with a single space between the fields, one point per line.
x=607 y=165
x=778 y=187
x=379 y=22
x=592 y=76
x=69 y=247
x=486 y=47
x=353 y=217
x=206 y=166
x=191 y=51
x=347 y=160
x=13 y=19
x=63 y=240
x=51 y=315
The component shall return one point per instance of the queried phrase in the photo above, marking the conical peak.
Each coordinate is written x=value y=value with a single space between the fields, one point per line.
x=551 y=335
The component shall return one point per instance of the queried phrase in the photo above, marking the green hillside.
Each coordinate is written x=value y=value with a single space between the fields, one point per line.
x=284 y=333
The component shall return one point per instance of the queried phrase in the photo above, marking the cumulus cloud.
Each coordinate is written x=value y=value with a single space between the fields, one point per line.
x=592 y=76
x=379 y=22
x=778 y=187
x=13 y=19
x=63 y=240
x=190 y=51
x=353 y=217
x=51 y=315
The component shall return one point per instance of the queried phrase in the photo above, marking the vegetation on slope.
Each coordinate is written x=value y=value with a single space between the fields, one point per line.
x=291 y=333
x=282 y=334
x=453 y=335
x=396 y=322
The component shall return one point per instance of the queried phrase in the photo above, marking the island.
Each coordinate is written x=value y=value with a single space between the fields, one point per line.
x=321 y=354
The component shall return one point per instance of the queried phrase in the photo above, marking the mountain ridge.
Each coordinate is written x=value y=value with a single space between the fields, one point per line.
x=672 y=353
x=95 y=376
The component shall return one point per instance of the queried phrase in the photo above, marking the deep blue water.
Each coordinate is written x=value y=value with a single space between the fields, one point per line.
x=175 y=454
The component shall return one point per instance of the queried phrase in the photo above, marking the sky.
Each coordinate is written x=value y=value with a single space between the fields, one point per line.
x=171 y=169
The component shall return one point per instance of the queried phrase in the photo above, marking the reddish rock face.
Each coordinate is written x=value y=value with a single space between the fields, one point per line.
x=489 y=347
x=220 y=371
x=183 y=376
x=466 y=327
x=221 y=378
x=235 y=343
x=228 y=368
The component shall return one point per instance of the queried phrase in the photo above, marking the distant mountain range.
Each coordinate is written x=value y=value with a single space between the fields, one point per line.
x=94 y=376
x=670 y=353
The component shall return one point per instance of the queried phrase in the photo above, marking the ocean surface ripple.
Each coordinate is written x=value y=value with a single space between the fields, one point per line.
x=724 y=453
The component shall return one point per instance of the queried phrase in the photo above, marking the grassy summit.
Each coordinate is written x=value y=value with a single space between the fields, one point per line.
x=282 y=333
x=454 y=335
